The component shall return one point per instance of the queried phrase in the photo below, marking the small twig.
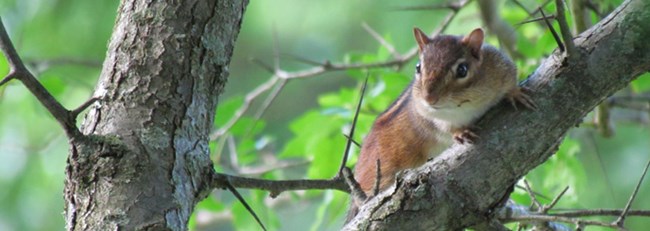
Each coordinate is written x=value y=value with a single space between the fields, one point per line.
x=20 y=72
x=355 y=189
x=564 y=28
x=545 y=208
x=266 y=168
x=243 y=202
x=553 y=32
x=549 y=218
x=455 y=6
x=375 y=188
x=353 y=141
x=7 y=78
x=250 y=97
x=382 y=41
x=598 y=212
x=536 y=193
x=303 y=59
x=74 y=113
x=620 y=222
x=275 y=187
x=264 y=66
x=348 y=144
x=535 y=20
x=532 y=196
x=265 y=106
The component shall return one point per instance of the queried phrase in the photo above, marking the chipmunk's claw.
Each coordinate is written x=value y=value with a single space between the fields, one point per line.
x=465 y=135
x=518 y=95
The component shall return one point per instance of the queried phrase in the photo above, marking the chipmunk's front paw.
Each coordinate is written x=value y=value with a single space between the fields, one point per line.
x=518 y=95
x=465 y=135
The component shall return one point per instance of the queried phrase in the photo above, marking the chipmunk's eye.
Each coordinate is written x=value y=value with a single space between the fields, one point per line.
x=417 y=68
x=461 y=70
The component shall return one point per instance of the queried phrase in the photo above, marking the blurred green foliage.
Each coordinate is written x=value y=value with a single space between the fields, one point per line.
x=64 y=42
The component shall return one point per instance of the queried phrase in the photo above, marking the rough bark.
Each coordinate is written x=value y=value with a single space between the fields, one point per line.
x=463 y=187
x=143 y=161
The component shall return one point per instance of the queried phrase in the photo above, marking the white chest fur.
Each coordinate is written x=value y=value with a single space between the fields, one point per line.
x=451 y=116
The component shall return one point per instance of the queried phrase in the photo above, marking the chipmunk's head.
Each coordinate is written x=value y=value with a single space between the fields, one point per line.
x=447 y=68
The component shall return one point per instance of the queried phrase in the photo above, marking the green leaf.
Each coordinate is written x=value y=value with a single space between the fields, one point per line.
x=226 y=109
x=642 y=83
x=53 y=84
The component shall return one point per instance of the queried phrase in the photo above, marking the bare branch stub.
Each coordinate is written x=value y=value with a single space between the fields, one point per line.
x=375 y=188
x=74 y=113
x=564 y=28
x=355 y=189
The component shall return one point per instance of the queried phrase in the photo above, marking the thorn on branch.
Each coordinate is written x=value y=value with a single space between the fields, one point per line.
x=8 y=78
x=560 y=45
x=75 y=113
x=243 y=201
x=354 y=126
x=375 y=188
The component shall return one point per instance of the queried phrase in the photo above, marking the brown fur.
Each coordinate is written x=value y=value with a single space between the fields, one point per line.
x=435 y=105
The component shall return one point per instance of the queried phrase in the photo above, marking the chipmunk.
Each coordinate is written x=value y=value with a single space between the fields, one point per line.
x=456 y=81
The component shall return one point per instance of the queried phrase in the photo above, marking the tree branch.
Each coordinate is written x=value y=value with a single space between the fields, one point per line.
x=463 y=186
x=18 y=71
x=275 y=187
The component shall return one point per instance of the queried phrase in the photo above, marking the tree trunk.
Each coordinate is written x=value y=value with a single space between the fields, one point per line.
x=466 y=184
x=143 y=162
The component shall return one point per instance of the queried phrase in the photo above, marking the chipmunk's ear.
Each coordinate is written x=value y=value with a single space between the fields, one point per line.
x=474 y=41
x=421 y=38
